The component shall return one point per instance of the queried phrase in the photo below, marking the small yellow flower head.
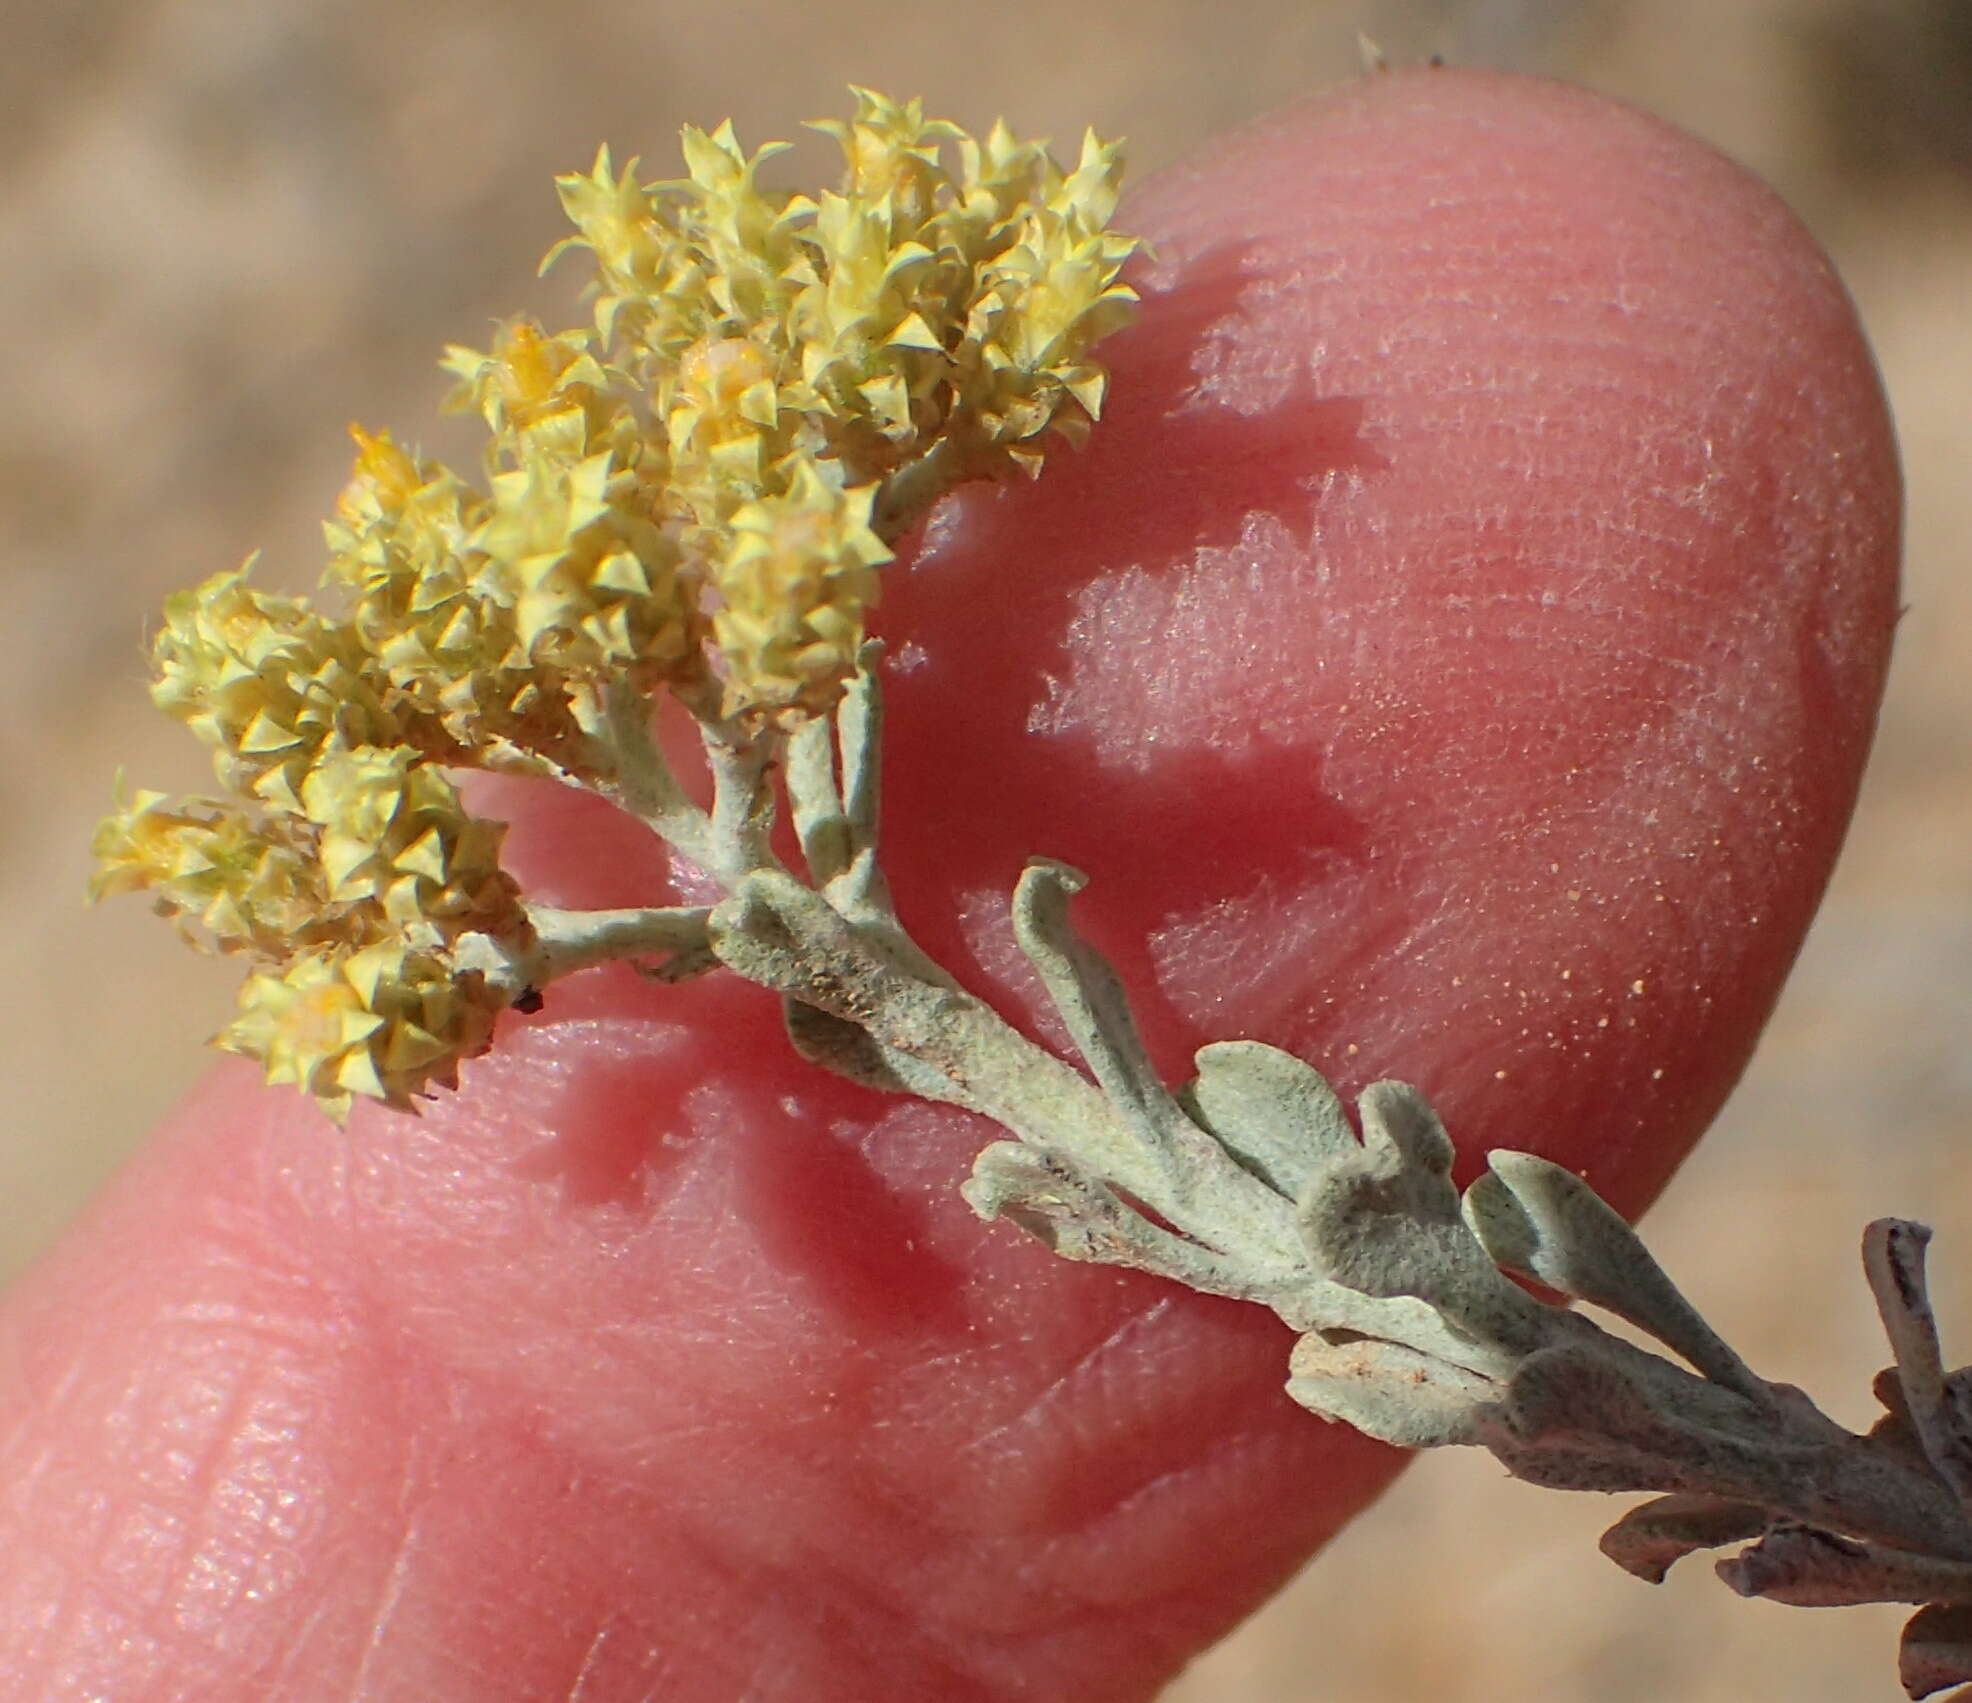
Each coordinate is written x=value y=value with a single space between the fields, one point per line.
x=795 y=585
x=890 y=152
x=385 y=1021
x=723 y=406
x=998 y=177
x=448 y=647
x=383 y=481
x=652 y=291
x=396 y=541
x=541 y=396
x=590 y=578
x=744 y=235
x=395 y=836
x=353 y=905
x=245 y=884
x=266 y=682
x=866 y=345
x=1044 y=302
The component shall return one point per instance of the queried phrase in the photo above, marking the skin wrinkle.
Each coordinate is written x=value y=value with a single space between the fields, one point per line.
x=245 y=1441
x=1161 y=1500
x=240 y=1547
x=297 y=1671
x=1548 y=634
x=1064 y=1387
x=209 y=1554
x=917 y=1600
x=1252 y=990
x=390 y=1596
x=794 y=1604
x=103 y=1643
x=245 y=1546
x=141 y=1553
x=439 y=1619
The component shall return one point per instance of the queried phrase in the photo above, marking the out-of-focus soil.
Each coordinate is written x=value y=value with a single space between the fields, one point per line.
x=230 y=228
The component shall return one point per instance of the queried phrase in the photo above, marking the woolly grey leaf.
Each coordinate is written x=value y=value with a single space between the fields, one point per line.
x=1402 y=1132
x=1177 y=1169
x=1384 y=1219
x=1277 y=1115
x=1893 y=1260
x=1535 y=1216
x=1651 y=1538
x=814 y=802
x=1342 y=1314
x=1578 y=1417
x=1081 y=1218
x=1389 y=1392
x=1936 y=1650
x=1812 y=1568
x=850 y=1050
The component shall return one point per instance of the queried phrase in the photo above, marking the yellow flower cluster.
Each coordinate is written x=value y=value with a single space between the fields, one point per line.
x=353 y=901
x=211 y=862
x=349 y=851
x=385 y=1022
x=450 y=654
x=917 y=319
x=797 y=577
x=267 y=683
x=693 y=492
x=381 y=1010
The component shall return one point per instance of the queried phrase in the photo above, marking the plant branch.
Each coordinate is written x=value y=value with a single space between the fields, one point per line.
x=673 y=939
x=642 y=782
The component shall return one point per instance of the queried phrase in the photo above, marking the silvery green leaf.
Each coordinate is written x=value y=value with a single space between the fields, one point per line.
x=1090 y=997
x=1080 y=1217
x=1335 y=1312
x=814 y=801
x=850 y=1050
x=1535 y=1216
x=1278 y=1116
x=1592 y=1416
x=1389 y=1392
x=1384 y=1219
x=1172 y=1165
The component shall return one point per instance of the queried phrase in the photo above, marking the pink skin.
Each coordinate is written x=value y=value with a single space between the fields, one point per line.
x=1453 y=659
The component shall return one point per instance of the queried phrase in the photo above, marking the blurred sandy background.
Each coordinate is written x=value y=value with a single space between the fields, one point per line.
x=232 y=225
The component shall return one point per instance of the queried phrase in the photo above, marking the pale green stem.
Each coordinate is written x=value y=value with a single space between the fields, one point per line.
x=642 y=781
x=580 y=940
x=860 y=888
x=815 y=803
x=740 y=837
x=831 y=775
x=943 y=1043
x=832 y=789
x=673 y=937
x=913 y=488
